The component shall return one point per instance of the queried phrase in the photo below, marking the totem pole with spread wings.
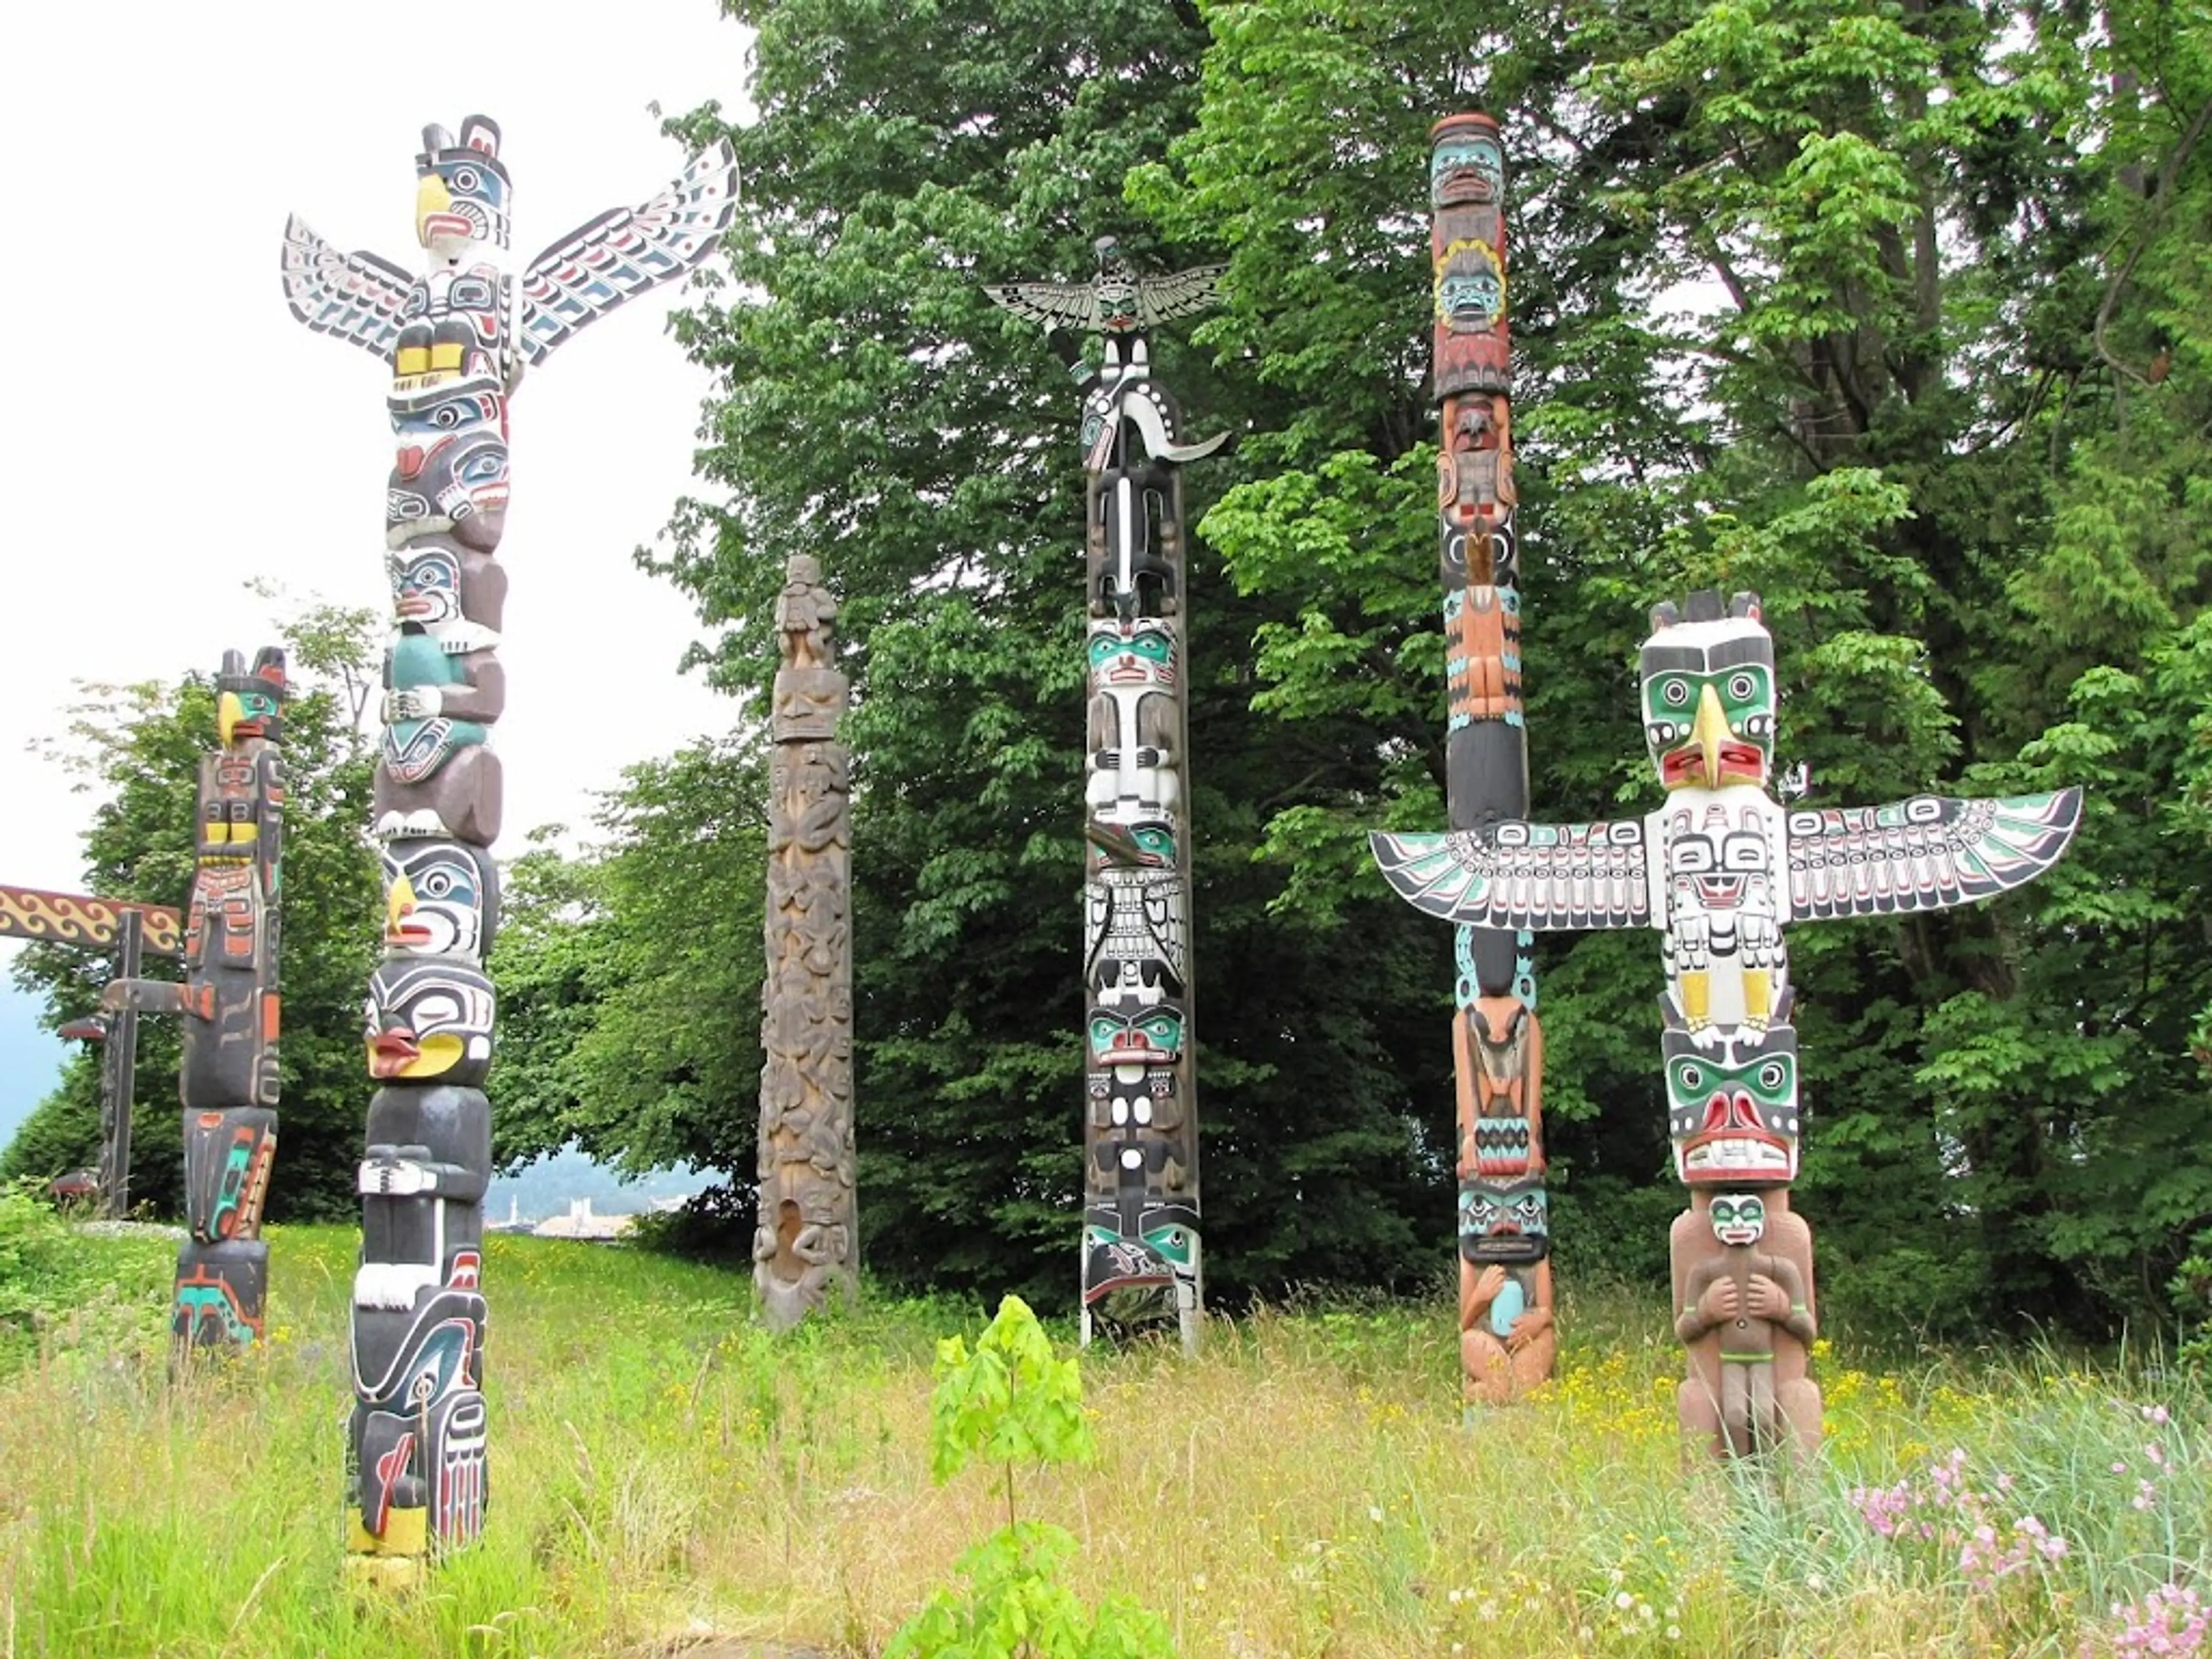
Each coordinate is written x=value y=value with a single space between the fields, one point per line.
x=457 y=339
x=1721 y=869
x=1141 y=1267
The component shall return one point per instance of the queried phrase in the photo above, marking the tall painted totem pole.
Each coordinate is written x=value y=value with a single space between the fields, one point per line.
x=230 y=1008
x=807 y=1243
x=457 y=338
x=1507 y=1338
x=1720 y=869
x=1141 y=1266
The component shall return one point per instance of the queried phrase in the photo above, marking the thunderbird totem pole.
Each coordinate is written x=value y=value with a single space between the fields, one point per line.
x=807 y=1243
x=1141 y=1266
x=1721 y=868
x=230 y=1007
x=1507 y=1339
x=457 y=338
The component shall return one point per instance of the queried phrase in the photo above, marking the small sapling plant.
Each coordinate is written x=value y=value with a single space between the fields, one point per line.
x=1012 y=1402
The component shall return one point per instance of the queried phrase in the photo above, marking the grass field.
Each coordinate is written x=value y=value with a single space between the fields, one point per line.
x=662 y=1469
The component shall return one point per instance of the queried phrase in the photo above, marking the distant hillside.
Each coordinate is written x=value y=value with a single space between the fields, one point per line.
x=545 y=1187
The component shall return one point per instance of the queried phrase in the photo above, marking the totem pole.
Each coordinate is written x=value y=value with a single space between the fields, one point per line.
x=1141 y=1265
x=1507 y=1340
x=1720 y=869
x=457 y=339
x=808 y=1240
x=230 y=1009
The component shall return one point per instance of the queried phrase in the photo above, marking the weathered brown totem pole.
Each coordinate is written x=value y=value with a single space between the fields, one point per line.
x=1720 y=869
x=457 y=338
x=1507 y=1335
x=230 y=1008
x=808 y=1240
x=1141 y=1266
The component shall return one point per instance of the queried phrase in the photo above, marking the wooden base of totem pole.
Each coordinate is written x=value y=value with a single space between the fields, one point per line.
x=1749 y=1391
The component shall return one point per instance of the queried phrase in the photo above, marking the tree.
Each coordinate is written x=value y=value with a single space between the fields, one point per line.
x=878 y=413
x=140 y=745
x=629 y=978
x=1887 y=312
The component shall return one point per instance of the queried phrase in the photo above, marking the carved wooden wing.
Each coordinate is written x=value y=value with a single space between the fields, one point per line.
x=353 y=296
x=1547 y=877
x=626 y=251
x=1924 y=854
x=1160 y=298
x=1051 y=305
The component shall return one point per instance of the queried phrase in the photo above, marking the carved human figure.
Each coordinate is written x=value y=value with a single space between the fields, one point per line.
x=1744 y=1311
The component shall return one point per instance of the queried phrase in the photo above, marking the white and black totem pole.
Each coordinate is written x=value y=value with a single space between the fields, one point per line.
x=1141 y=1266
x=1720 y=869
x=807 y=1243
x=230 y=1009
x=457 y=338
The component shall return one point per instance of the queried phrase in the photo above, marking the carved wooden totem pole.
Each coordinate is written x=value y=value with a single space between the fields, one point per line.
x=457 y=339
x=230 y=1009
x=1141 y=1266
x=1720 y=869
x=808 y=1241
x=1507 y=1339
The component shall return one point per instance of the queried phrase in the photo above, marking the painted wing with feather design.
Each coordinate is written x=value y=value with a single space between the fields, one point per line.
x=350 y=296
x=1549 y=878
x=1927 y=852
x=626 y=251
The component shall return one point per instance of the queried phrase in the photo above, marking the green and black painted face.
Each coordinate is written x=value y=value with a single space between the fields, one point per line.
x=1143 y=656
x=1732 y=1105
x=1709 y=702
x=1739 y=1218
x=250 y=702
x=1151 y=1037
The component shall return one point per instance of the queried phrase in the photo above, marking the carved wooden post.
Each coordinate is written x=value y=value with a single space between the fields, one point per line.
x=1507 y=1336
x=80 y=919
x=229 y=1004
x=1141 y=1265
x=1719 y=869
x=457 y=339
x=808 y=1240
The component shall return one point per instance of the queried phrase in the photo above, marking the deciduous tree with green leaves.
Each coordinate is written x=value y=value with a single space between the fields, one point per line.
x=138 y=747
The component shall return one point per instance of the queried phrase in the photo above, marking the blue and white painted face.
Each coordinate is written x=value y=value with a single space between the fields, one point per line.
x=440 y=898
x=1470 y=288
x=1466 y=169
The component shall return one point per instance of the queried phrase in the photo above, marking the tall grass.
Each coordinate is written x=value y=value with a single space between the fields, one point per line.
x=1306 y=1489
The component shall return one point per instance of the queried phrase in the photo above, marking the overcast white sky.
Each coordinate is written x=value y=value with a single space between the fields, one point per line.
x=175 y=432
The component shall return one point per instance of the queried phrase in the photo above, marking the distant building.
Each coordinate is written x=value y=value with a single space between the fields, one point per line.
x=581 y=1224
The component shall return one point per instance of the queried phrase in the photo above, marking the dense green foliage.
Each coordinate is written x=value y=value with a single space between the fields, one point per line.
x=140 y=746
x=1895 y=313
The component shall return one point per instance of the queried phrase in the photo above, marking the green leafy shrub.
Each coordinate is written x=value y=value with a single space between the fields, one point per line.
x=71 y=1291
x=1013 y=1402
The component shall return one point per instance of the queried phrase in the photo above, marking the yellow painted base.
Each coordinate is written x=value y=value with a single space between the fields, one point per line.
x=400 y=1560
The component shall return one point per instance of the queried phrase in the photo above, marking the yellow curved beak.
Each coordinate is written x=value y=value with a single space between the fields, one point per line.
x=1708 y=733
x=431 y=197
x=228 y=711
x=398 y=904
